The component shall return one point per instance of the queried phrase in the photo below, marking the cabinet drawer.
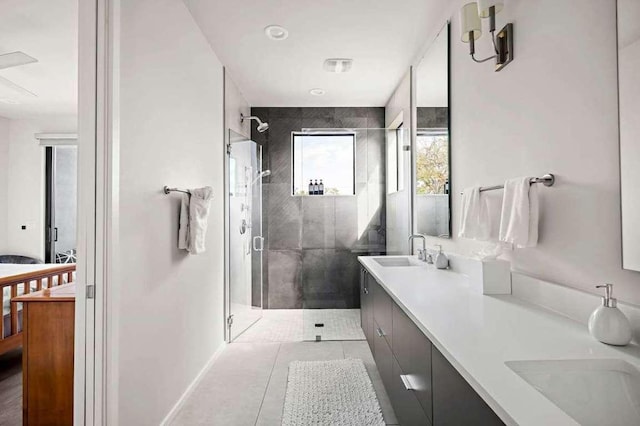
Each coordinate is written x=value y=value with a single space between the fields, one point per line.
x=454 y=400
x=366 y=308
x=383 y=311
x=412 y=349
x=384 y=358
x=405 y=403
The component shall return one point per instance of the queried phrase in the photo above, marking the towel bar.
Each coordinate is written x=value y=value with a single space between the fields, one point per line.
x=168 y=190
x=547 y=180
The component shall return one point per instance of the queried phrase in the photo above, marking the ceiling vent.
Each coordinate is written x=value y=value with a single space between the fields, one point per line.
x=338 y=65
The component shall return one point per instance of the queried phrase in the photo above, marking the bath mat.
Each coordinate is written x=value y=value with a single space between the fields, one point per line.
x=335 y=392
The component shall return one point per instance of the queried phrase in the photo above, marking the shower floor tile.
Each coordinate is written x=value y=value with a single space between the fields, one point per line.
x=297 y=325
x=338 y=324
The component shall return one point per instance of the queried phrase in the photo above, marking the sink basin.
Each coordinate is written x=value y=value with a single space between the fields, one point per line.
x=395 y=261
x=593 y=392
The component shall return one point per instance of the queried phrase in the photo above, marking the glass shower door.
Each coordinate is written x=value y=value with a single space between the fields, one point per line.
x=245 y=238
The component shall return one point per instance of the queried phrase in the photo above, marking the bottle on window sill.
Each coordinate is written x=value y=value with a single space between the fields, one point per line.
x=316 y=188
x=310 y=187
x=321 y=188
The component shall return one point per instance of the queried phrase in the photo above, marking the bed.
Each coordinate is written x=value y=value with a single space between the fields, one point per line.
x=17 y=279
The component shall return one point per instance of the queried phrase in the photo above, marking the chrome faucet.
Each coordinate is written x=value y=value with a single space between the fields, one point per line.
x=422 y=253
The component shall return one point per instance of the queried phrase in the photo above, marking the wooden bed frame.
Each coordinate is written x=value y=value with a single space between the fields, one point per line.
x=44 y=278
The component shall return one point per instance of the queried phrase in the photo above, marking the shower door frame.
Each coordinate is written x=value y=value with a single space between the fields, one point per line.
x=228 y=314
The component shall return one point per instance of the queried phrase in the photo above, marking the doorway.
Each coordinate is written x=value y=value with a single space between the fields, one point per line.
x=48 y=86
x=61 y=171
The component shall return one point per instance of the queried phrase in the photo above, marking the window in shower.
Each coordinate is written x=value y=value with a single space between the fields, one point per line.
x=324 y=157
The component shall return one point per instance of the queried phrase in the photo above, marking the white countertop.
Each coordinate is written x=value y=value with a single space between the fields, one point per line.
x=478 y=333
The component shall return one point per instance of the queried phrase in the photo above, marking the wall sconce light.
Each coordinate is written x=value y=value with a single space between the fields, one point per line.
x=471 y=29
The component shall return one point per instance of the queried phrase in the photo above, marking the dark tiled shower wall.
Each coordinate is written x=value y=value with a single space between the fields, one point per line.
x=433 y=117
x=312 y=243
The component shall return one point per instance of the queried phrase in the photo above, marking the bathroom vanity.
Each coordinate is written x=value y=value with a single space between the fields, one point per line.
x=449 y=355
x=424 y=388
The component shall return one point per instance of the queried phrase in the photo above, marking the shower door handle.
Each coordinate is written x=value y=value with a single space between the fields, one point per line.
x=256 y=246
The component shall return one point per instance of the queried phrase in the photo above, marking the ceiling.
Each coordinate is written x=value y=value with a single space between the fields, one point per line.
x=381 y=36
x=47 y=31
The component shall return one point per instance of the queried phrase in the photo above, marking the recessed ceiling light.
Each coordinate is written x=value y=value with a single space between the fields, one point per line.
x=317 y=92
x=338 y=65
x=276 y=32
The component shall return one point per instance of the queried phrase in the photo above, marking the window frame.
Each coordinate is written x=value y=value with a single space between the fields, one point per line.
x=398 y=184
x=324 y=133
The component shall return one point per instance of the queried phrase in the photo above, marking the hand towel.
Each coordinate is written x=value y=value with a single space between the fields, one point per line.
x=199 y=203
x=520 y=213
x=183 y=230
x=490 y=209
x=474 y=221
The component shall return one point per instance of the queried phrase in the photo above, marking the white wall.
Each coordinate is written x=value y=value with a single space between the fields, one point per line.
x=4 y=183
x=234 y=105
x=171 y=133
x=26 y=183
x=553 y=109
x=398 y=203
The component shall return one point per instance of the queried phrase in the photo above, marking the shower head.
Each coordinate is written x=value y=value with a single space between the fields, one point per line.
x=260 y=175
x=262 y=127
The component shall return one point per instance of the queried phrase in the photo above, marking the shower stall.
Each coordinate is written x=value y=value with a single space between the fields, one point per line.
x=293 y=268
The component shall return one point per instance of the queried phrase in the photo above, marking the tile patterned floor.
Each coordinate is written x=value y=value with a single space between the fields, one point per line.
x=296 y=325
x=339 y=324
x=247 y=383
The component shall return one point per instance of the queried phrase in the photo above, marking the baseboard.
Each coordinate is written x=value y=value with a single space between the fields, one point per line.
x=176 y=408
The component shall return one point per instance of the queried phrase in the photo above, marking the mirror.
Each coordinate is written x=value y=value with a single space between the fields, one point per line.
x=432 y=201
x=629 y=110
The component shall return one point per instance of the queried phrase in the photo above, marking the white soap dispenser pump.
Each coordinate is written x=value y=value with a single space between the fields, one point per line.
x=441 y=260
x=607 y=323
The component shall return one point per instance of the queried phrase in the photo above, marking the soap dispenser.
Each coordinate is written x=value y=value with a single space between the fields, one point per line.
x=441 y=260
x=607 y=323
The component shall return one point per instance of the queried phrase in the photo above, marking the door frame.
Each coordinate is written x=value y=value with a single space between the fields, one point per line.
x=93 y=385
x=49 y=210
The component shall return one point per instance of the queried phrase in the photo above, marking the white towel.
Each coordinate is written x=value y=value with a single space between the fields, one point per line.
x=183 y=230
x=474 y=222
x=520 y=212
x=198 y=214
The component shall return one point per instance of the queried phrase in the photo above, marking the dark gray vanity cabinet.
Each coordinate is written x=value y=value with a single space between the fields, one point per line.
x=382 y=312
x=412 y=349
x=404 y=380
x=366 y=306
x=405 y=404
x=454 y=400
x=383 y=356
x=424 y=388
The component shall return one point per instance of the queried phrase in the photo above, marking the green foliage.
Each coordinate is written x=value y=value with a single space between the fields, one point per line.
x=432 y=164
